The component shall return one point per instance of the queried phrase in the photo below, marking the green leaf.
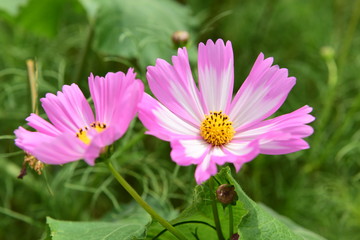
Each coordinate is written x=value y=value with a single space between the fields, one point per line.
x=139 y=29
x=252 y=220
x=45 y=18
x=12 y=7
x=305 y=233
x=197 y=220
x=259 y=223
x=128 y=227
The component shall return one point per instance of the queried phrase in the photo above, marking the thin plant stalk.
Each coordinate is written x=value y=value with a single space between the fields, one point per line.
x=144 y=205
x=215 y=210
x=349 y=34
x=32 y=74
x=330 y=97
x=231 y=221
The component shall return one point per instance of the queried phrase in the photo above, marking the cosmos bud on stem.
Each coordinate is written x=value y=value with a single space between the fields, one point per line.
x=235 y=236
x=226 y=194
x=180 y=38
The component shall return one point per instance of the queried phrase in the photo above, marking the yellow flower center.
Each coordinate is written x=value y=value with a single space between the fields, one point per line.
x=217 y=129
x=82 y=134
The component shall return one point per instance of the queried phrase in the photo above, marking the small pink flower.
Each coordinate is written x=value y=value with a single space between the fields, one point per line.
x=206 y=126
x=74 y=133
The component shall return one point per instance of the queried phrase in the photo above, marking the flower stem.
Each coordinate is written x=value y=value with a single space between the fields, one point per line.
x=231 y=221
x=215 y=210
x=144 y=205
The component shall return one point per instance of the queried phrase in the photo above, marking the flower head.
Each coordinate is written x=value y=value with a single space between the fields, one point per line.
x=74 y=133
x=206 y=126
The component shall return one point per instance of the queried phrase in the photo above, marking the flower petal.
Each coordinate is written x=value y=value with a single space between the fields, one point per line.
x=127 y=107
x=61 y=149
x=116 y=97
x=42 y=125
x=216 y=74
x=205 y=169
x=242 y=152
x=282 y=134
x=262 y=93
x=99 y=141
x=189 y=151
x=162 y=123
x=278 y=147
x=196 y=151
x=174 y=87
x=68 y=110
x=28 y=140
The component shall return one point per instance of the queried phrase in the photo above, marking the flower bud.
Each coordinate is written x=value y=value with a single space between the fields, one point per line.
x=226 y=194
x=180 y=38
x=235 y=236
x=328 y=53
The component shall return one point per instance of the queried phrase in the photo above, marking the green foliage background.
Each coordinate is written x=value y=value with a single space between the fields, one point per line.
x=318 y=188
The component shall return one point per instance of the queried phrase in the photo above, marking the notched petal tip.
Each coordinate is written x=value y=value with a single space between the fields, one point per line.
x=182 y=52
x=71 y=87
x=31 y=116
x=307 y=109
x=91 y=77
x=47 y=97
x=131 y=71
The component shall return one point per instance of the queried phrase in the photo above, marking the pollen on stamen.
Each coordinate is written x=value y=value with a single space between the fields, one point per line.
x=82 y=133
x=216 y=129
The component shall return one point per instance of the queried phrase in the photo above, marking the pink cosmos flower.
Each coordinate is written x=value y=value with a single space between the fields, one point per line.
x=75 y=133
x=206 y=126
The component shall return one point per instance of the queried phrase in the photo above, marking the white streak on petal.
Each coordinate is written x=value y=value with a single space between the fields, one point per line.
x=173 y=123
x=239 y=148
x=194 y=148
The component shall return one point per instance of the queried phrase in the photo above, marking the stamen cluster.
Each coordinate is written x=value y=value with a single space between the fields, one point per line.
x=82 y=134
x=217 y=129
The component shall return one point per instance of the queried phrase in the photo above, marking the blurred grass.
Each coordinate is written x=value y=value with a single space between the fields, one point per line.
x=318 y=188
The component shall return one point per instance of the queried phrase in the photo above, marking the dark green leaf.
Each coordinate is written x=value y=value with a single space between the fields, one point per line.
x=251 y=220
x=137 y=29
x=12 y=7
x=198 y=218
x=306 y=234
x=127 y=227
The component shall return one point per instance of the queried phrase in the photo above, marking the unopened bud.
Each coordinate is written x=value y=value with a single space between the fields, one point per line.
x=327 y=52
x=226 y=194
x=235 y=236
x=180 y=38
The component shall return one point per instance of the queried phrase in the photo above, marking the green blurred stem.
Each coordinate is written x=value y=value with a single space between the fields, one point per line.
x=349 y=35
x=7 y=137
x=84 y=51
x=330 y=94
x=18 y=216
x=329 y=100
x=144 y=205
x=215 y=210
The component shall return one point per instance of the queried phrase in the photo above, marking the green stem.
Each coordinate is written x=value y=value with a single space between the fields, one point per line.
x=349 y=35
x=215 y=210
x=84 y=51
x=144 y=205
x=326 y=113
x=185 y=222
x=231 y=221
